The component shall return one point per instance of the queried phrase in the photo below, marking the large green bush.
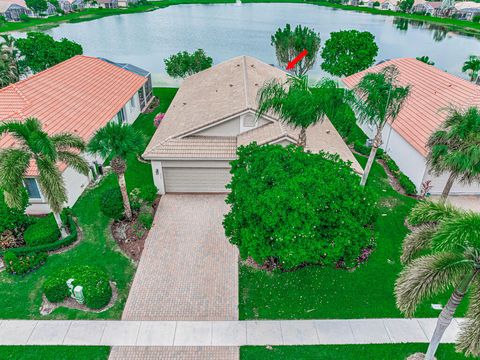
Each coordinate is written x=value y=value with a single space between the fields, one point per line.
x=44 y=231
x=95 y=282
x=23 y=264
x=111 y=204
x=14 y=220
x=293 y=208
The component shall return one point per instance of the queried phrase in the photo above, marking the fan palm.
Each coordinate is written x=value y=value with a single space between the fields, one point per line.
x=472 y=67
x=298 y=104
x=379 y=100
x=118 y=141
x=36 y=147
x=456 y=148
x=449 y=241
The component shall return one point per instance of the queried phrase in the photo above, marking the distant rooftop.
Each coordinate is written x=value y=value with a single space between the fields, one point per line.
x=128 y=67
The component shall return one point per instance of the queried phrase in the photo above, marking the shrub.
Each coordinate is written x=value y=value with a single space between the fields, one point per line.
x=23 y=264
x=111 y=204
x=476 y=19
x=148 y=193
x=404 y=181
x=14 y=220
x=24 y=18
x=95 y=283
x=363 y=149
x=44 y=231
x=293 y=208
x=146 y=219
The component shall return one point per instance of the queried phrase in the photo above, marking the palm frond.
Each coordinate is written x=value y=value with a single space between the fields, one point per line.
x=17 y=129
x=65 y=141
x=419 y=239
x=458 y=233
x=468 y=340
x=13 y=165
x=52 y=184
x=431 y=212
x=75 y=161
x=426 y=276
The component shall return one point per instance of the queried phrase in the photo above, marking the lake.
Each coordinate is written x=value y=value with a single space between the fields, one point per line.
x=228 y=30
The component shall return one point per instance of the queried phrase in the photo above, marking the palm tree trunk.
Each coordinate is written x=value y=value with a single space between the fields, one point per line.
x=58 y=219
x=446 y=316
x=126 y=201
x=376 y=144
x=302 y=138
x=447 y=188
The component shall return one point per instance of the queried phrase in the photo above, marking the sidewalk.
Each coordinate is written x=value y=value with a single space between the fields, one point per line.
x=220 y=333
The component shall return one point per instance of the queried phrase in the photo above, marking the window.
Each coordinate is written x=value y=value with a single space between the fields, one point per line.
x=121 y=116
x=32 y=188
x=132 y=102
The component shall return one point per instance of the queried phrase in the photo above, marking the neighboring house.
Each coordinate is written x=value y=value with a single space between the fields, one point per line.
x=213 y=113
x=466 y=10
x=432 y=91
x=78 y=96
x=71 y=5
x=107 y=4
x=12 y=9
x=389 y=5
x=125 y=3
x=430 y=8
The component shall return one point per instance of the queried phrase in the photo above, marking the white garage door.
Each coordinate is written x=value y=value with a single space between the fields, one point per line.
x=196 y=179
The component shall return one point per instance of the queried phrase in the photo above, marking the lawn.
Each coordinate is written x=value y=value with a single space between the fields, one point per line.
x=327 y=293
x=345 y=352
x=22 y=296
x=54 y=352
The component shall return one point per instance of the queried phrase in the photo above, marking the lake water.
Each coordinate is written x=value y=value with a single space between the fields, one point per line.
x=226 y=31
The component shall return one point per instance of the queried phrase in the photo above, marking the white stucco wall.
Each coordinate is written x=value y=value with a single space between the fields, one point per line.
x=234 y=126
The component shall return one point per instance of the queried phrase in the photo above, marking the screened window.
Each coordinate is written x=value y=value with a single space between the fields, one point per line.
x=121 y=116
x=32 y=188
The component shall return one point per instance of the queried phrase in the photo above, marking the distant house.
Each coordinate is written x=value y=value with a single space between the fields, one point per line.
x=212 y=114
x=11 y=10
x=432 y=90
x=430 y=8
x=78 y=96
x=71 y=5
x=466 y=10
x=125 y=3
x=107 y=4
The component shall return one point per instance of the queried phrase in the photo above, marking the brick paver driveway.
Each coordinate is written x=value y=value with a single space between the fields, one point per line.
x=188 y=271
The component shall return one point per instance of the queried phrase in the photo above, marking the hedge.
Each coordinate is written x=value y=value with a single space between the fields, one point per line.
x=44 y=231
x=23 y=264
x=71 y=238
x=403 y=180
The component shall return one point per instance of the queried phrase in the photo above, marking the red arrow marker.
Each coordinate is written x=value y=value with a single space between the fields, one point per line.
x=299 y=57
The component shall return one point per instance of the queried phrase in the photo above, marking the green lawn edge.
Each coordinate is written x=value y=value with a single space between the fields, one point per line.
x=54 y=352
x=345 y=352
x=93 y=14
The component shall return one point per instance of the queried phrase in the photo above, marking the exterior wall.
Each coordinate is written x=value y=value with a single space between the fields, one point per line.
x=234 y=126
x=132 y=112
x=438 y=183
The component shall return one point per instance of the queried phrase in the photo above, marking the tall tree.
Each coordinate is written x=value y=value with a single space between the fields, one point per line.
x=348 y=52
x=35 y=146
x=455 y=148
x=472 y=67
x=298 y=104
x=40 y=51
x=183 y=64
x=442 y=252
x=379 y=99
x=289 y=43
x=9 y=69
x=426 y=59
x=406 y=5
x=38 y=6
x=117 y=141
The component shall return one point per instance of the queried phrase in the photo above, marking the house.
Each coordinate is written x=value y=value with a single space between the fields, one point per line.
x=71 y=5
x=466 y=10
x=432 y=91
x=213 y=113
x=126 y=3
x=389 y=5
x=78 y=96
x=431 y=8
x=107 y=4
x=11 y=10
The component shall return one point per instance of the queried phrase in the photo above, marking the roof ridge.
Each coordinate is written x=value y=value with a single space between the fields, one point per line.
x=245 y=80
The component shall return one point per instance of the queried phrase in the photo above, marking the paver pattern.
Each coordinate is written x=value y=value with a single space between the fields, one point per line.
x=188 y=270
x=178 y=353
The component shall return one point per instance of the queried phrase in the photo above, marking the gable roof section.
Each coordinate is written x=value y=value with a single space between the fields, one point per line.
x=432 y=91
x=5 y=4
x=78 y=96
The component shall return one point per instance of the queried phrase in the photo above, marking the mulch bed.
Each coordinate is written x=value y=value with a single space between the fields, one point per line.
x=131 y=235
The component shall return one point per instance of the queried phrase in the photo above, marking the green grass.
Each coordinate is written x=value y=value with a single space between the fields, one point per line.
x=21 y=297
x=344 y=352
x=54 y=352
x=319 y=293
x=92 y=14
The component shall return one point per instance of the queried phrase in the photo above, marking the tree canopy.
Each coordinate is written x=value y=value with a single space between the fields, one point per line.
x=406 y=5
x=40 y=51
x=184 y=64
x=472 y=67
x=38 y=6
x=290 y=208
x=290 y=42
x=348 y=52
x=426 y=59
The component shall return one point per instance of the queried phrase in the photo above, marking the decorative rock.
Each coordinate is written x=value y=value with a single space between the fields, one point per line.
x=2 y=265
x=417 y=356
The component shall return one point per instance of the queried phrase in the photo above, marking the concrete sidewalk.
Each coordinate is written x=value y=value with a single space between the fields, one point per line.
x=220 y=333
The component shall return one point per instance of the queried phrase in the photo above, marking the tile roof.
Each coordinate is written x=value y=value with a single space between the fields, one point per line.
x=5 y=4
x=78 y=96
x=432 y=91
x=222 y=92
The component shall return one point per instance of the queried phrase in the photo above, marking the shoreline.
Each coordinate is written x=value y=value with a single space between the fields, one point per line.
x=466 y=27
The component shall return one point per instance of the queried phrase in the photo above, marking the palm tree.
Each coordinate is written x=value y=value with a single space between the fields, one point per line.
x=426 y=59
x=118 y=141
x=9 y=69
x=472 y=67
x=448 y=240
x=379 y=100
x=35 y=147
x=455 y=148
x=298 y=104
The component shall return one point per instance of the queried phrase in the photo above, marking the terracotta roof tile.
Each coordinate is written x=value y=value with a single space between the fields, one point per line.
x=433 y=90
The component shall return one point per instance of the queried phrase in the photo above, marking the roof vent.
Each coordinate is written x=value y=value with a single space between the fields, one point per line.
x=184 y=103
x=256 y=84
x=238 y=65
x=231 y=85
x=252 y=66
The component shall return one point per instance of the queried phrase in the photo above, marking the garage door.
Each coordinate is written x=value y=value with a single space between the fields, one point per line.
x=196 y=179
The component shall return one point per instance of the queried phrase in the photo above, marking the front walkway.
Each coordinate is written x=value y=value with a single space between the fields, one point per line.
x=215 y=339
